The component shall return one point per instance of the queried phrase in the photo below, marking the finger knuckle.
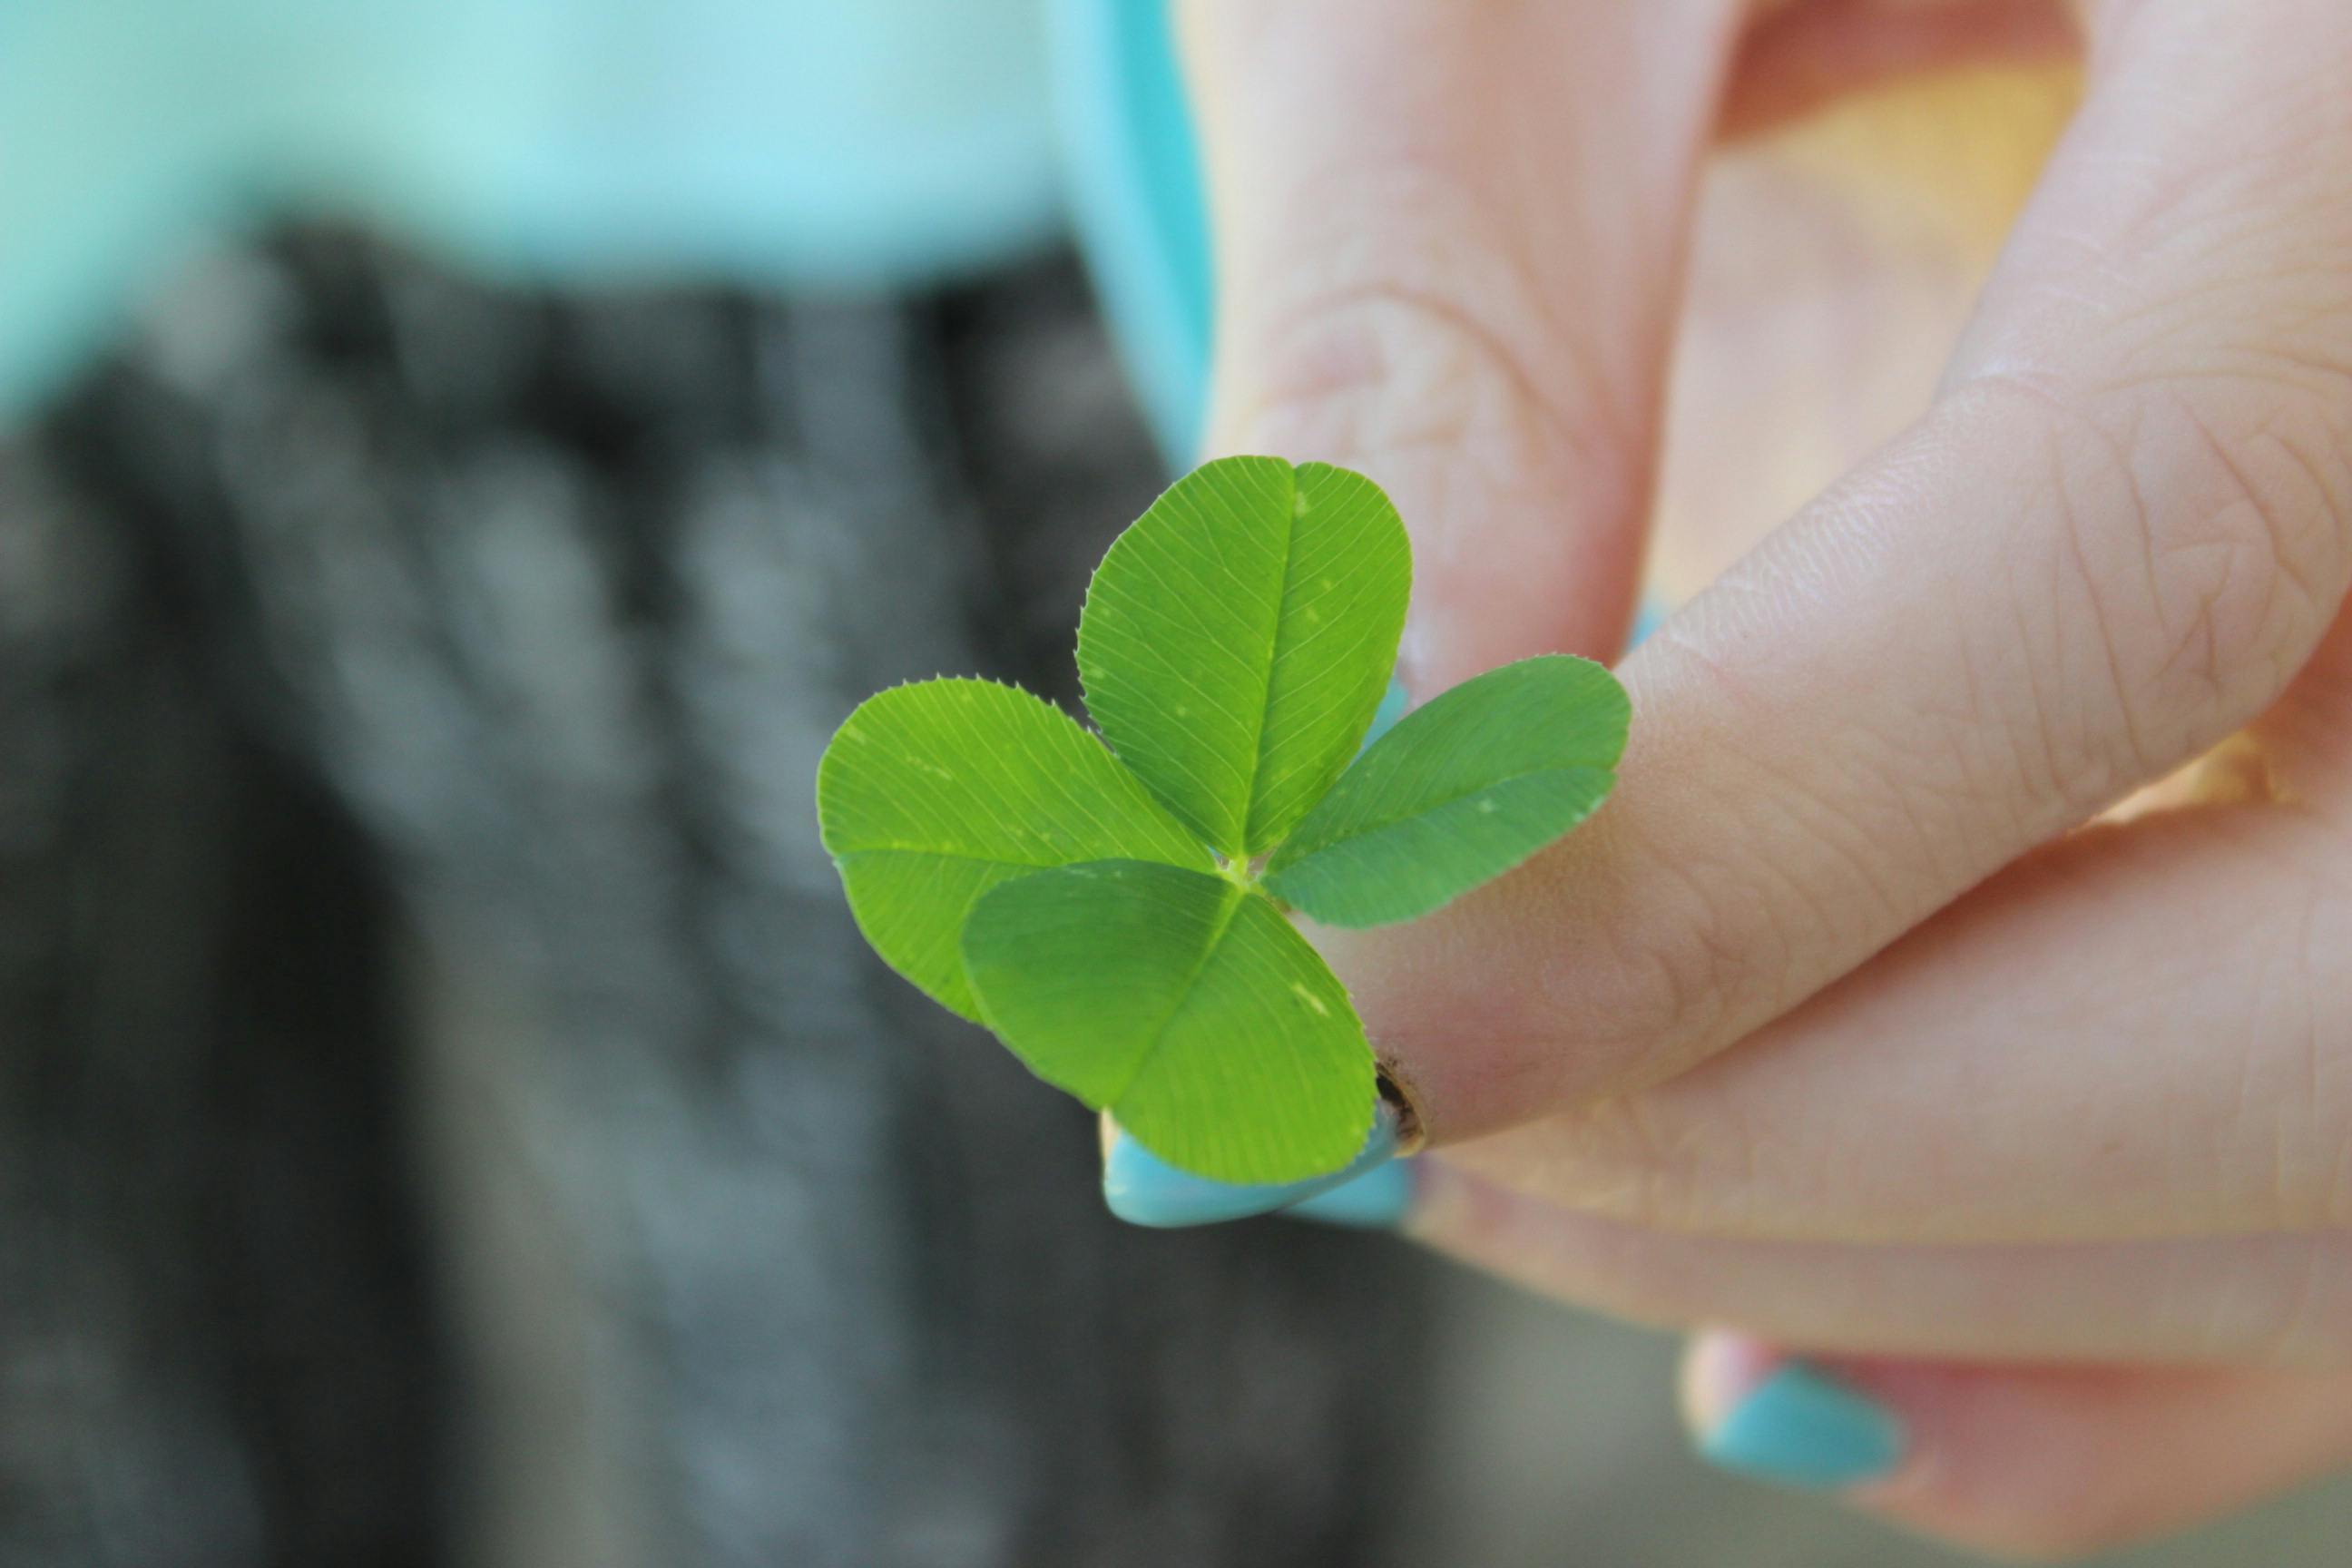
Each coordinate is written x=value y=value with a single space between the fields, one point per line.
x=1641 y=1164
x=1427 y=337
x=1673 y=977
x=2206 y=530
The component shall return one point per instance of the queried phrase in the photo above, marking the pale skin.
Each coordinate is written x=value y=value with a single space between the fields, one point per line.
x=1958 y=989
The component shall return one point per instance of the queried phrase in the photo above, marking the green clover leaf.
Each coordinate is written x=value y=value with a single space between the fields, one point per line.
x=1129 y=985
x=1117 y=920
x=1238 y=638
x=931 y=795
x=1461 y=790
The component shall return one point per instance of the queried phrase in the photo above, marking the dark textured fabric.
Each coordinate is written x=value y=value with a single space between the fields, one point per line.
x=361 y=612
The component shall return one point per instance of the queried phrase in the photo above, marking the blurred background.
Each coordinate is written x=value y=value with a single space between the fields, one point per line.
x=459 y=459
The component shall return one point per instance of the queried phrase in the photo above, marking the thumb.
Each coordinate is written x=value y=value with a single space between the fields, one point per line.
x=1449 y=242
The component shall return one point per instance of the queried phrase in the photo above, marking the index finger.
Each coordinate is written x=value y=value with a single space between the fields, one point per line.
x=2123 y=524
x=1450 y=247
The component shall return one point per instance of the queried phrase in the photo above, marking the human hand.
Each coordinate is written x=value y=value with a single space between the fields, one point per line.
x=2009 y=1090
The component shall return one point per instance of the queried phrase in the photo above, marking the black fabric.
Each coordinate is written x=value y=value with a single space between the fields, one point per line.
x=360 y=627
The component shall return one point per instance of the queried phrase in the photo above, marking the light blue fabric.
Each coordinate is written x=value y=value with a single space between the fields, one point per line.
x=1136 y=197
x=810 y=142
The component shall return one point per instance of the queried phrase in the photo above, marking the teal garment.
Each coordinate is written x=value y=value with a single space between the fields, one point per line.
x=1137 y=198
x=799 y=142
x=782 y=142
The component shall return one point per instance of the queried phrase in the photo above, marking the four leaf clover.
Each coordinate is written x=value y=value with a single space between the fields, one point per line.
x=1115 y=908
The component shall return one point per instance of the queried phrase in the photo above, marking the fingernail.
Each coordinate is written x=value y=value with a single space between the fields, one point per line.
x=1143 y=1189
x=1647 y=619
x=1802 y=1428
x=1376 y=1200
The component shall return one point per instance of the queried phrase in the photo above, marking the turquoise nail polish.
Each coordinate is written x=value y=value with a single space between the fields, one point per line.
x=1802 y=1429
x=1393 y=702
x=1376 y=1200
x=1143 y=1189
x=1651 y=615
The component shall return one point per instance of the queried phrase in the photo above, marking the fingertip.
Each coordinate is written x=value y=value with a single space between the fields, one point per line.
x=1144 y=1190
x=1787 y=1421
x=1719 y=1367
x=2032 y=1463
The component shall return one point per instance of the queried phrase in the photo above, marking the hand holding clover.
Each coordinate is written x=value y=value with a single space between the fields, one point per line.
x=1115 y=913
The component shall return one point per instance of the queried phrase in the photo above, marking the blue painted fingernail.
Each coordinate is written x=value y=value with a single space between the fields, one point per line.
x=1800 y=1428
x=1647 y=619
x=1394 y=703
x=1143 y=1189
x=1376 y=1200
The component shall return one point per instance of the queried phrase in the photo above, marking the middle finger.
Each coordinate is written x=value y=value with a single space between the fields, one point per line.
x=2283 y=1300
x=2144 y=1031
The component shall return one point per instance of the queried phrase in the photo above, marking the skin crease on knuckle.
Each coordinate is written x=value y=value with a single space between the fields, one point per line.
x=1437 y=408
x=2192 y=563
x=1434 y=364
x=2251 y=580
